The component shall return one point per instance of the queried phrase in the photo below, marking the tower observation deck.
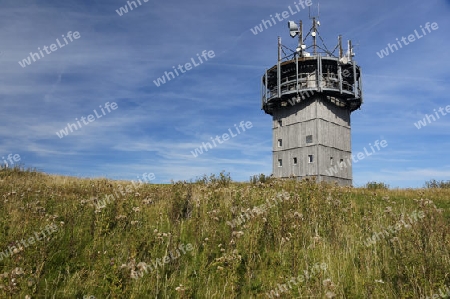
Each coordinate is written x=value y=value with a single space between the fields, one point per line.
x=310 y=94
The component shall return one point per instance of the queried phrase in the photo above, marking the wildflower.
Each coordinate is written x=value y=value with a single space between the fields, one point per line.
x=237 y=234
x=30 y=282
x=134 y=274
x=317 y=238
x=131 y=264
x=298 y=215
x=147 y=201
x=17 y=271
x=327 y=282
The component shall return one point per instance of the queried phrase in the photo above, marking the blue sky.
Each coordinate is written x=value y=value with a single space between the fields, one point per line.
x=154 y=129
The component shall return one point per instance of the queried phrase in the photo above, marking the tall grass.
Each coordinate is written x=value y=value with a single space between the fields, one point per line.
x=104 y=250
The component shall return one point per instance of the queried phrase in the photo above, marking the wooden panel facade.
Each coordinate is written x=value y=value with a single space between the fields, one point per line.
x=312 y=138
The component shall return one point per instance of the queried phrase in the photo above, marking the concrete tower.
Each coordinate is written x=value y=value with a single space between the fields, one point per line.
x=310 y=97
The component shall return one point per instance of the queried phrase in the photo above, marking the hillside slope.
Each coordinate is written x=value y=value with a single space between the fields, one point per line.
x=64 y=237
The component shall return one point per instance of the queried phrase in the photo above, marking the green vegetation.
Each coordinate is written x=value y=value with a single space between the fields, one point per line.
x=437 y=184
x=308 y=233
x=375 y=186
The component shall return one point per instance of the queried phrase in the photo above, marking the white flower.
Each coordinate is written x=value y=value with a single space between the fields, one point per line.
x=134 y=274
x=17 y=271
x=327 y=282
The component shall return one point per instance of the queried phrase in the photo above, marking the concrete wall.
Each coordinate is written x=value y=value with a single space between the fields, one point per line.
x=329 y=126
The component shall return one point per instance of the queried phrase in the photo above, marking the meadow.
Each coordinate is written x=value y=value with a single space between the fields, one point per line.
x=214 y=238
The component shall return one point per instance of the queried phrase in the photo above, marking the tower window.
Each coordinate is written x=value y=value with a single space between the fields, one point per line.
x=280 y=122
x=341 y=163
x=295 y=160
x=280 y=162
x=310 y=158
x=331 y=160
x=280 y=142
x=309 y=139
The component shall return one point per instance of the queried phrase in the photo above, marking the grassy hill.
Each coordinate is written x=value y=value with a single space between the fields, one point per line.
x=63 y=237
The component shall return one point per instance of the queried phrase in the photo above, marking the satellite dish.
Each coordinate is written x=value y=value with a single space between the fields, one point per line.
x=293 y=28
x=344 y=60
x=303 y=47
x=313 y=33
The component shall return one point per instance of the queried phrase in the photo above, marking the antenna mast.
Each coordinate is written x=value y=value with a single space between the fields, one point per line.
x=314 y=32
